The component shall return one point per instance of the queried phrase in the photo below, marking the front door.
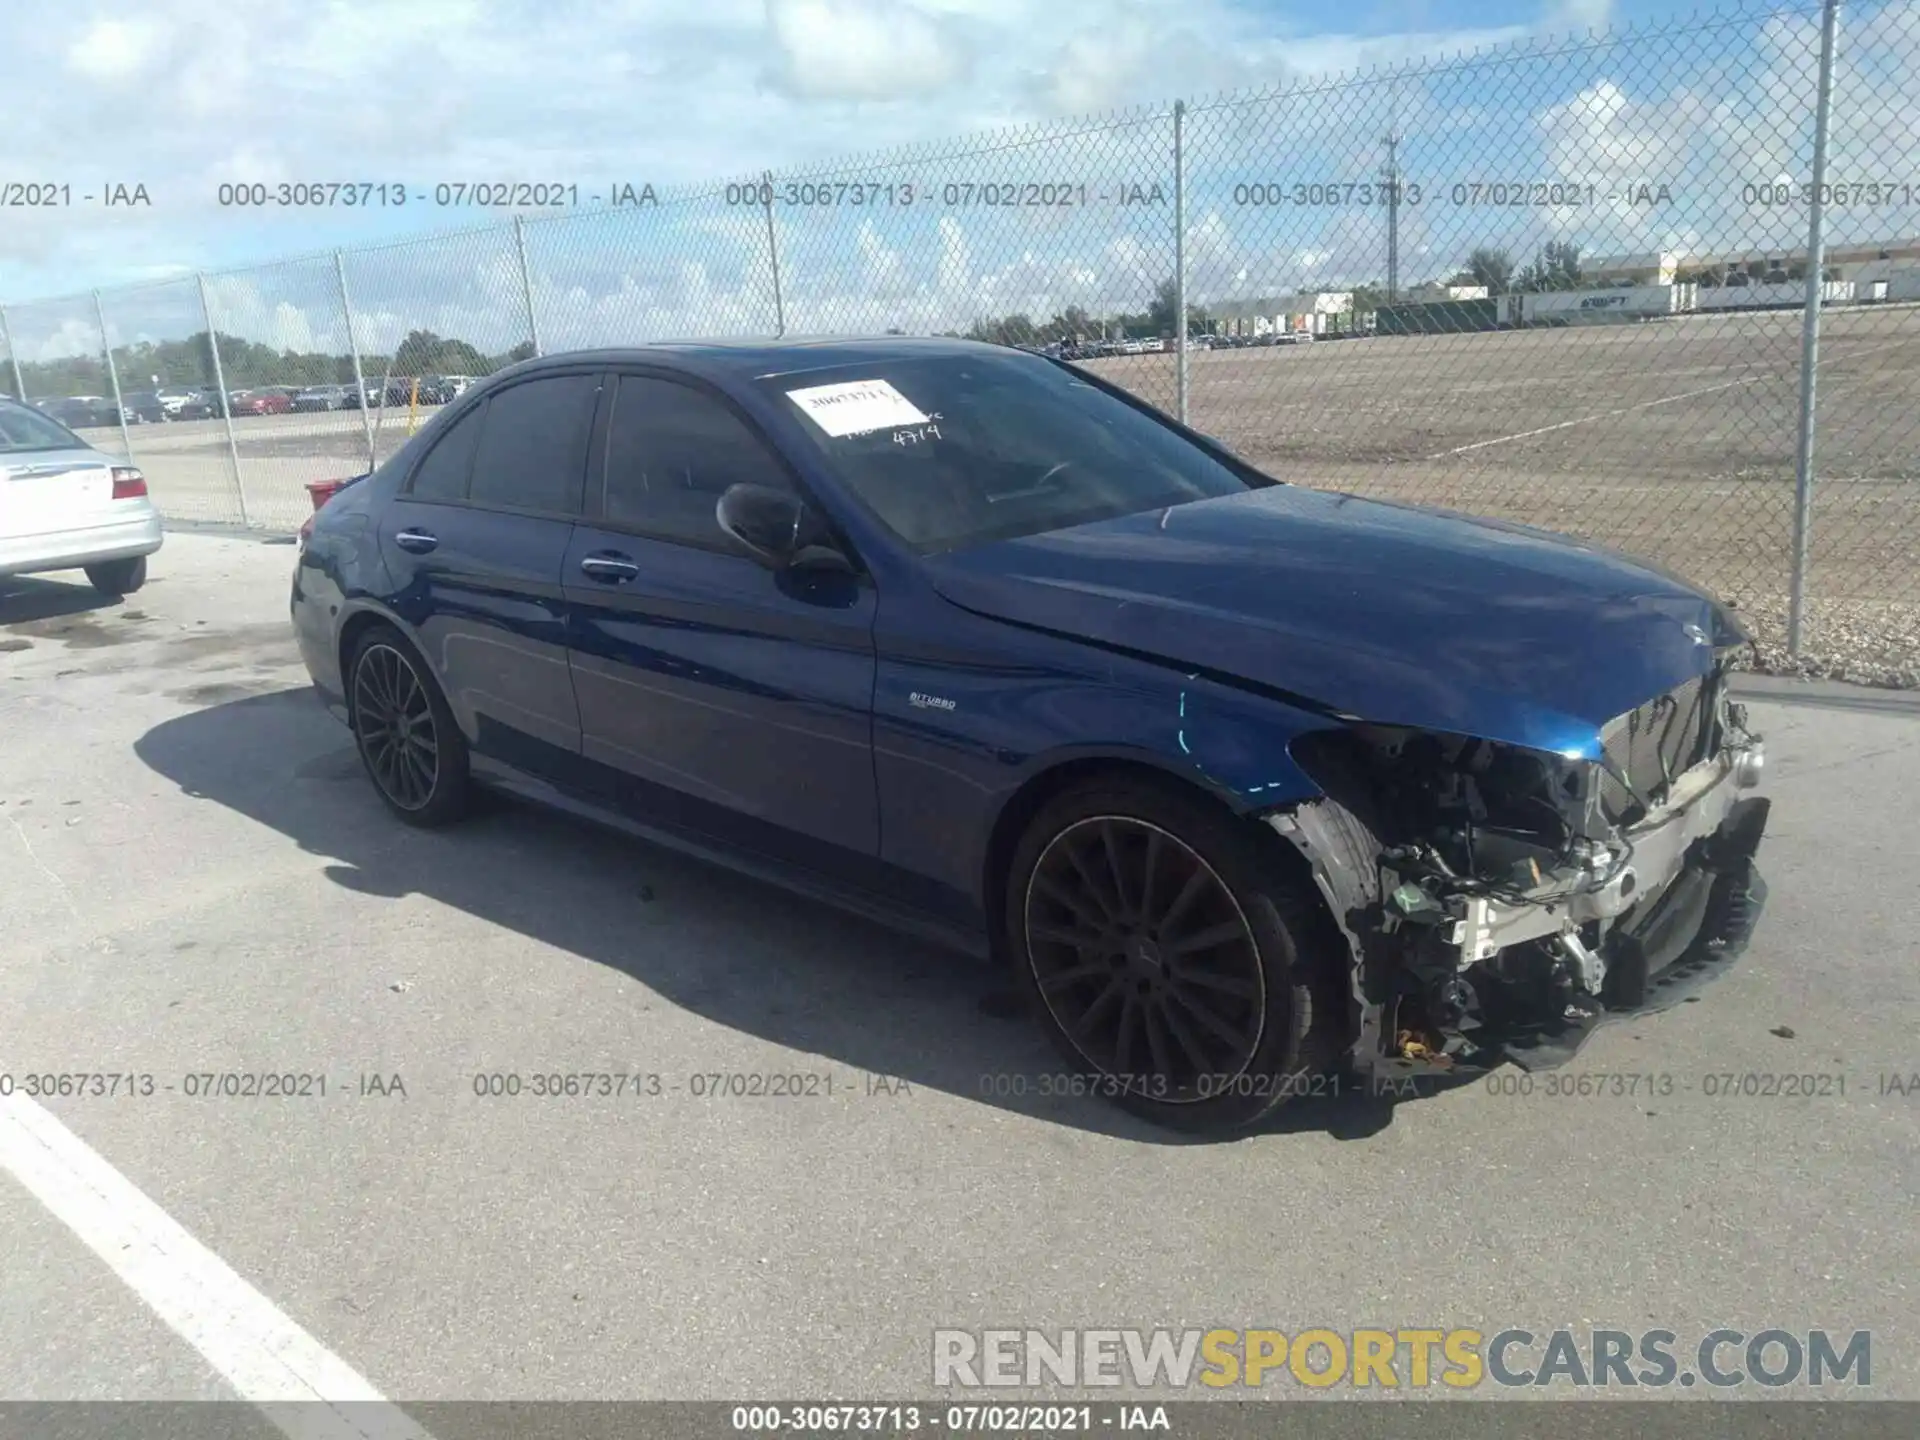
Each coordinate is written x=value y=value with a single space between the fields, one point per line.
x=728 y=700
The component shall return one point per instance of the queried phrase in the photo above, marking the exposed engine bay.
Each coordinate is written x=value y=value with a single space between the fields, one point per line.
x=1500 y=902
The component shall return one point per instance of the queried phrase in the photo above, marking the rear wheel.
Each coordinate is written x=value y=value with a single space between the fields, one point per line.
x=1168 y=954
x=408 y=739
x=118 y=577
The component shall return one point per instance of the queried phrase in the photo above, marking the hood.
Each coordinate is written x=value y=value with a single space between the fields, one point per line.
x=1365 y=609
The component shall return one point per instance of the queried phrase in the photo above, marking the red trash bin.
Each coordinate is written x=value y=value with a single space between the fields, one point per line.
x=324 y=490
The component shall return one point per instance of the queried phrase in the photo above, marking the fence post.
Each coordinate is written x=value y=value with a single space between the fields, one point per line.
x=13 y=357
x=353 y=348
x=1180 y=253
x=226 y=406
x=773 y=253
x=1810 y=333
x=526 y=280
x=113 y=375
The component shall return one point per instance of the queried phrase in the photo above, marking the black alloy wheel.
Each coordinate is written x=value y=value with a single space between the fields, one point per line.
x=1143 y=956
x=395 y=727
x=1174 y=954
x=412 y=748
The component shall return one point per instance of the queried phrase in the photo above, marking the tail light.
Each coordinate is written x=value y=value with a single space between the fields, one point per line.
x=128 y=483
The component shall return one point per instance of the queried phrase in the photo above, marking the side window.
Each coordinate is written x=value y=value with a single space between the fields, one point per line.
x=533 y=448
x=672 y=451
x=443 y=474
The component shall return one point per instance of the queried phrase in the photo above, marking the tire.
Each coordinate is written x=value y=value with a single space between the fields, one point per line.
x=118 y=577
x=408 y=739
x=1251 y=942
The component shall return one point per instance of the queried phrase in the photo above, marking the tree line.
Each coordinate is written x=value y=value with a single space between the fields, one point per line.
x=246 y=363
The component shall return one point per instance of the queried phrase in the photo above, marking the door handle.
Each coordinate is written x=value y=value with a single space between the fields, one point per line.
x=418 y=541
x=610 y=568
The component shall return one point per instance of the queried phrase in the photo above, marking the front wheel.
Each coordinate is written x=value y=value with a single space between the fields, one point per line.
x=1168 y=953
x=407 y=736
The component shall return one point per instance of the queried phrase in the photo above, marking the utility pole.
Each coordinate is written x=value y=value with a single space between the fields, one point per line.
x=1810 y=332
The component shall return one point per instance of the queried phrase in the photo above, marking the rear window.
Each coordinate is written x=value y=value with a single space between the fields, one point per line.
x=533 y=453
x=23 y=428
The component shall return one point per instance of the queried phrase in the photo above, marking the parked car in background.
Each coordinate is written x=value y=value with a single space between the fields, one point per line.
x=80 y=412
x=173 y=397
x=66 y=506
x=320 y=397
x=369 y=395
x=1250 y=785
x=270 y=401
x=146 y=407
x=199 y=405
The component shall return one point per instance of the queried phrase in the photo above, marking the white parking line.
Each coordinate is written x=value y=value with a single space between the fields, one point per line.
x=308 y=1392
x=1649 y=404
x=1589 y=419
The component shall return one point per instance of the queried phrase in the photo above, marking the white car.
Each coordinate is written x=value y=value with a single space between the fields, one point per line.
x=66 y=506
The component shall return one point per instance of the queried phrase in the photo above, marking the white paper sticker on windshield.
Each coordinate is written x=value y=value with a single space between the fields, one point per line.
x=856 y=406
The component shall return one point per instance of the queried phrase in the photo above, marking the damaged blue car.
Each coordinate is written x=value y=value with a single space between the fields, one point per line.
x=1245 y=784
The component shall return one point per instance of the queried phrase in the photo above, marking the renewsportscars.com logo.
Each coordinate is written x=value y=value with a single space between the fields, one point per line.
x=1412 y=1358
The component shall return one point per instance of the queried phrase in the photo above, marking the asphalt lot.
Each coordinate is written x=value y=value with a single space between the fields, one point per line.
x=197 y=879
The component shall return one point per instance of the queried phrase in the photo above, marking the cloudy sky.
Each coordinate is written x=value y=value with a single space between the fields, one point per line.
x=933 y=94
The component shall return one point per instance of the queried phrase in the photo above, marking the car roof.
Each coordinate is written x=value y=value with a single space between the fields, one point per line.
x=761 y=357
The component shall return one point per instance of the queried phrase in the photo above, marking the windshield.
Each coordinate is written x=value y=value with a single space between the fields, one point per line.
x=954 y=451
x=22 y=428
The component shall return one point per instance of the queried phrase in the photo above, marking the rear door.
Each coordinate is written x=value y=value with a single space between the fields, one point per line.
x=719 y=696
x=475 y=542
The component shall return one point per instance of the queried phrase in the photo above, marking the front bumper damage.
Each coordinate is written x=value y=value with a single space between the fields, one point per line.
x=1463 y=986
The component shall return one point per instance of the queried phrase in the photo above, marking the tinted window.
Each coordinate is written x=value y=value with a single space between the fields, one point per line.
x=533 y=447
x=23 y=429
x=443 y=474
x=961 y=449
x=672 y=451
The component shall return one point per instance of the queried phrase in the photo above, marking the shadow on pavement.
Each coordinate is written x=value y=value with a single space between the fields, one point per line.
x=737 y=951
x=28 y=599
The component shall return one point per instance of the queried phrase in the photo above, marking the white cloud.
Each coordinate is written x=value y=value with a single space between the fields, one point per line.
x=117 y=49
x=1579 y=14
x=864 y=49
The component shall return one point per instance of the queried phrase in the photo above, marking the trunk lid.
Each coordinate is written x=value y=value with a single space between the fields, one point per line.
x=42 y=491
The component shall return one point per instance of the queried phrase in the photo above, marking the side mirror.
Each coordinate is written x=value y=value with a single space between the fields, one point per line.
x=777 y=528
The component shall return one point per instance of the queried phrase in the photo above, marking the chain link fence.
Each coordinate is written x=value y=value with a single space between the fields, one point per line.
x=1599 y=284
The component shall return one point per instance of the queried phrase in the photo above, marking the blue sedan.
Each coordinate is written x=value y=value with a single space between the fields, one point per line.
x=1250 y=788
